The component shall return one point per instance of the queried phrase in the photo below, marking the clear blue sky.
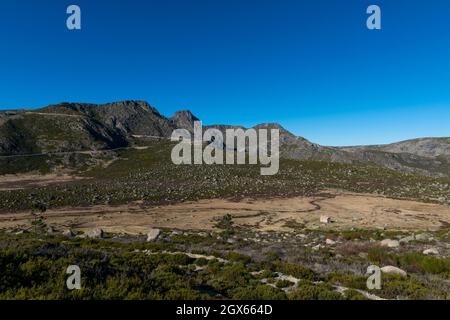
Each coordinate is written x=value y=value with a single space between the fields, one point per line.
x=311 y=65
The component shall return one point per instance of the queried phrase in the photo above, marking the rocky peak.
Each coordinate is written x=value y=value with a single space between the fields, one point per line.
x=184 y=119
x=274 y=125
x=130 y=104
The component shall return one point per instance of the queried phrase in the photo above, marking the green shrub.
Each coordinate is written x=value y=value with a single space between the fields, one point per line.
x=260 y=292
x=296 y=270
x=237 y=257
x=351 y=294
x=311 y=291
x=380 y=256
x=281 y=283
x=226 y=223
x=347 y=280
x=416 y=262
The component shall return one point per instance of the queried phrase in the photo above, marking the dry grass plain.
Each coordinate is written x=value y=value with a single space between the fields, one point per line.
x=345 y=209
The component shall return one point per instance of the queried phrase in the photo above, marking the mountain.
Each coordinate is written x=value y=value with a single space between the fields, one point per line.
x=77 y=126
x=68 y=127
x=126 y=117
x=424 y=147
x=184 y=119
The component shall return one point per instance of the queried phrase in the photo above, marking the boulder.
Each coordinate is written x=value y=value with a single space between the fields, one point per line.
x=330 y=242
x=325 y=219
x=21 y=232
x=393 y=270
x=96 y=233
x=423 y=237
x=431 y=251
x=390 y=243
x=153 y=235
x=407 y=239
x=68 y=233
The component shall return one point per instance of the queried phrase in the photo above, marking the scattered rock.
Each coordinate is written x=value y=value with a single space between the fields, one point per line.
x=423 y=237
x=407 y=239
x=21 y=232
x=96 y=233
x=325 y=219
x=431 y=251
x=330 y=242
x=393 y=270
x=68 y=233
x=390 y=243
x=153 y=234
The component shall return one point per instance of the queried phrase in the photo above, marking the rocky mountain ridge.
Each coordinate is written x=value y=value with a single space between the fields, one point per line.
x=67 y=127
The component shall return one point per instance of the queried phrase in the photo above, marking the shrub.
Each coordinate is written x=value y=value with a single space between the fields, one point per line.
x=351 y=294
x=237 y=257
x=226 y=223
x=416 y=262
x=281 y=283
x=381 y=256
x=260 y=292
x=296 y=270
x=310 y=291
x=348 y=280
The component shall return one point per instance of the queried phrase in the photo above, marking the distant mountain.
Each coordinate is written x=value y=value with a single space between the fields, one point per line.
x=81 y=126
x=425 y=147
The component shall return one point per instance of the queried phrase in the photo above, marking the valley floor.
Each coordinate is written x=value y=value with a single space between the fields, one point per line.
x=142 y=228
x=345 y=210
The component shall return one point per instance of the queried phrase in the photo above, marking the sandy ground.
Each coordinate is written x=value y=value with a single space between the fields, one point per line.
x=14 y=182
x=346 y=210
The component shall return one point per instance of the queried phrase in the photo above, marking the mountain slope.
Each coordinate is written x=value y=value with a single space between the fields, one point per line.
x=184 y=119
x=425 y=147
x=128 y=117
x=76 y=126
x=68 y=127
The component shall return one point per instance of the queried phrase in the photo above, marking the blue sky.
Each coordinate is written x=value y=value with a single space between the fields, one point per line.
x=311 y=65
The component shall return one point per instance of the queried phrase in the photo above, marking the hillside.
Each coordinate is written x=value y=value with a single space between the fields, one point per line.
x=83 y=127
x=98 y=185
x=425 y=147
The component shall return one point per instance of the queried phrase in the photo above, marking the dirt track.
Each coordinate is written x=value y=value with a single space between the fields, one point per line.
x=345 y=209
x=14 y=182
